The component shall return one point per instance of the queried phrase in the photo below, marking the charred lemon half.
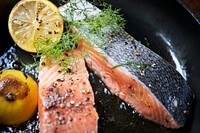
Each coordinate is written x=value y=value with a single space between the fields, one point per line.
x=18 y=97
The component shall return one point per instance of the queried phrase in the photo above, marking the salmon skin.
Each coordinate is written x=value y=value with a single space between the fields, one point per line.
x=137 y=75
x=66 y=100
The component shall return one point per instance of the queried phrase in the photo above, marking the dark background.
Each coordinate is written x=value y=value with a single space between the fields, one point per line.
x=163 y=26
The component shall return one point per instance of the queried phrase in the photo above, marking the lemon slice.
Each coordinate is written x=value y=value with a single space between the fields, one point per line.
x=30 y=20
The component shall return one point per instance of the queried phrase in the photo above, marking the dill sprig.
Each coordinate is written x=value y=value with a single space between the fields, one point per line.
x=69 y=40
x=96 y=27
x=129 y=63
x=107 y=18
x=30 y=66
x=57 y=50
x=111 y=18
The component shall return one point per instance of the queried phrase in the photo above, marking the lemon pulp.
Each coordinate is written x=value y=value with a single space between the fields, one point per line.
x=30 y=20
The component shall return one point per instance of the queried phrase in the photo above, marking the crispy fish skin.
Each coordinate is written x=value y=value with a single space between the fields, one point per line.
x=155 y=83
x=160 y=77
x=136 y=74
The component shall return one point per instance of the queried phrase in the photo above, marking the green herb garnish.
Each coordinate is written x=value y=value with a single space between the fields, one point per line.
x=30 y=66
x=139 y=65
x=128 y=64
x=106 y=18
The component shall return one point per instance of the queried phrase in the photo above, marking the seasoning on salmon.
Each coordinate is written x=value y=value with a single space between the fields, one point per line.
x=66 y=99
x=137 y=75
x=158 y=93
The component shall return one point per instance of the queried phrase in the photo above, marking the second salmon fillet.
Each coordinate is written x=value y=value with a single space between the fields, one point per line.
x=66 y=99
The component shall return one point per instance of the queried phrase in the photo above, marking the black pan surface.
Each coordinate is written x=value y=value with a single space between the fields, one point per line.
x=164 y=26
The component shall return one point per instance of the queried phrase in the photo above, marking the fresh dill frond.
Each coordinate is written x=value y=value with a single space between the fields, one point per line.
x=57 y=50
x=141 y=65
x=119 y=65
x=96 y=28
x=30 y=66
x=112 y=18
x=106 y=19
x=129 y=63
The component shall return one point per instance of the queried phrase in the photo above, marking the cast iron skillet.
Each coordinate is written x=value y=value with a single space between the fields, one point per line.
x=164 y=26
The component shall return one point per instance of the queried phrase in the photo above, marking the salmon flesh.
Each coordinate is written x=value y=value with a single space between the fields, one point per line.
x=136 y=74
x=66 y=100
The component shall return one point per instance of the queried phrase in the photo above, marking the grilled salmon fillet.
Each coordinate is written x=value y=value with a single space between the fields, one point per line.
x=164 y=97
x=66 y=100
x=135 y=73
